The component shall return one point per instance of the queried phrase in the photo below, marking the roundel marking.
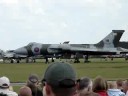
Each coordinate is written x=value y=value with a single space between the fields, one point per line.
x=36 y=49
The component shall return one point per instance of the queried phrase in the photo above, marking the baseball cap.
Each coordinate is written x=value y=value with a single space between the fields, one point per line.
x=33 y=78
x=61 y=75
x=4 y=82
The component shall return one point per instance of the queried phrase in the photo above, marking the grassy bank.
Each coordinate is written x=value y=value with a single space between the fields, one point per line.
x=110 y=70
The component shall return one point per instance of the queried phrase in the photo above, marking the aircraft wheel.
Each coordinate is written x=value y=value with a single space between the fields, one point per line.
x=34 y=61
x=18 y=61
x=52 y=60
x=27 y=60
x=12 y=61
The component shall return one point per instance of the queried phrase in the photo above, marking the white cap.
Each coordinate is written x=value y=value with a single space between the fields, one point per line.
x=4 y=82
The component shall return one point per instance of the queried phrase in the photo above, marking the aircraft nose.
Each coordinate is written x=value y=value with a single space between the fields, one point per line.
x=22 y=51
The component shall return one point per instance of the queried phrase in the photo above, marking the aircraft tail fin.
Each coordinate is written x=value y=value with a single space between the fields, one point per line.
x=111 y=40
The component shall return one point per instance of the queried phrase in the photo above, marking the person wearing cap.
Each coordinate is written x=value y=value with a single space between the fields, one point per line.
x=60 y=80
x=33 y=84
x=4 y=87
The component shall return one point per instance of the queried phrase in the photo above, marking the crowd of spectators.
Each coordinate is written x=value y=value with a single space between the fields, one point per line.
x=60 y=79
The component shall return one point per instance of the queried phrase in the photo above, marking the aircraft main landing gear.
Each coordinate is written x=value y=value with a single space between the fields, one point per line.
x=86 y=59
x=12 y=61
x=77 y=60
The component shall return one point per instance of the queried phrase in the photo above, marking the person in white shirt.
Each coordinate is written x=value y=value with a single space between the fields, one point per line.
x=114 y=91
x=4 y=87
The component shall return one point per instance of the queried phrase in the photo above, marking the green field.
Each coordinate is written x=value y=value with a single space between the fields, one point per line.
x=111 y=70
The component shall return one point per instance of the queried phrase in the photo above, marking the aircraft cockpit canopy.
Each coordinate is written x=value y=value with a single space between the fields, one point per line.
x=66 y=42
x=31 y=43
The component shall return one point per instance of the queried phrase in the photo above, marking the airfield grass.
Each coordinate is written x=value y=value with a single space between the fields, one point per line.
x=110 y=70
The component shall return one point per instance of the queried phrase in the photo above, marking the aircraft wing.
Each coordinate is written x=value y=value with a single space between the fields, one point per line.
x=122 y=50
x=8 y=55
x=76 y=49
x=117 y=50
x=13 y=55
x=91 y=51
x=82 y=49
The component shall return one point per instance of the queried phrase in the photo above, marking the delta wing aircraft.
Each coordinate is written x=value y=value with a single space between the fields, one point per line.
x=12 y=57
x=107 y=46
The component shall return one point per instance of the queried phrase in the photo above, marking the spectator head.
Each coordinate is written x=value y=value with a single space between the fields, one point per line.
x=119 y=83
x=125 y=86
x=25 y=91
x=112 y=85
x=85 y=85
x=4 y=82
x=60 y=79
x=85 y=82
x=99 y=83
x=33 y=80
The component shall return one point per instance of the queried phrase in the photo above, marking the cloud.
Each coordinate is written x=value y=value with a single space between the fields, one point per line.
x=9 y=2
x=58 y=20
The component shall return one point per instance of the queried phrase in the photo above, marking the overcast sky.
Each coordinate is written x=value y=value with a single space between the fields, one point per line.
x=56 y=21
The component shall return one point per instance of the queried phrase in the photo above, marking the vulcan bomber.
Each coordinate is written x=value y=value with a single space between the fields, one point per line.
x=107 y=46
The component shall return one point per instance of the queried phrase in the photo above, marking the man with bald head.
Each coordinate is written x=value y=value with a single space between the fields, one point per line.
x=25 y=91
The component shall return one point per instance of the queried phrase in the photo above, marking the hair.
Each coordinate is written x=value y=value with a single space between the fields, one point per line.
x=85 y=87
x=32 y=86
x=99 y=83
x=85 y=82
x=25 y=91
x=125 y=86
x=112 y=85
x=119 y=82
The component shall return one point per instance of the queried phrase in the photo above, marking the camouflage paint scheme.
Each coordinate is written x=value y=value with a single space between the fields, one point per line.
x=107 y=46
